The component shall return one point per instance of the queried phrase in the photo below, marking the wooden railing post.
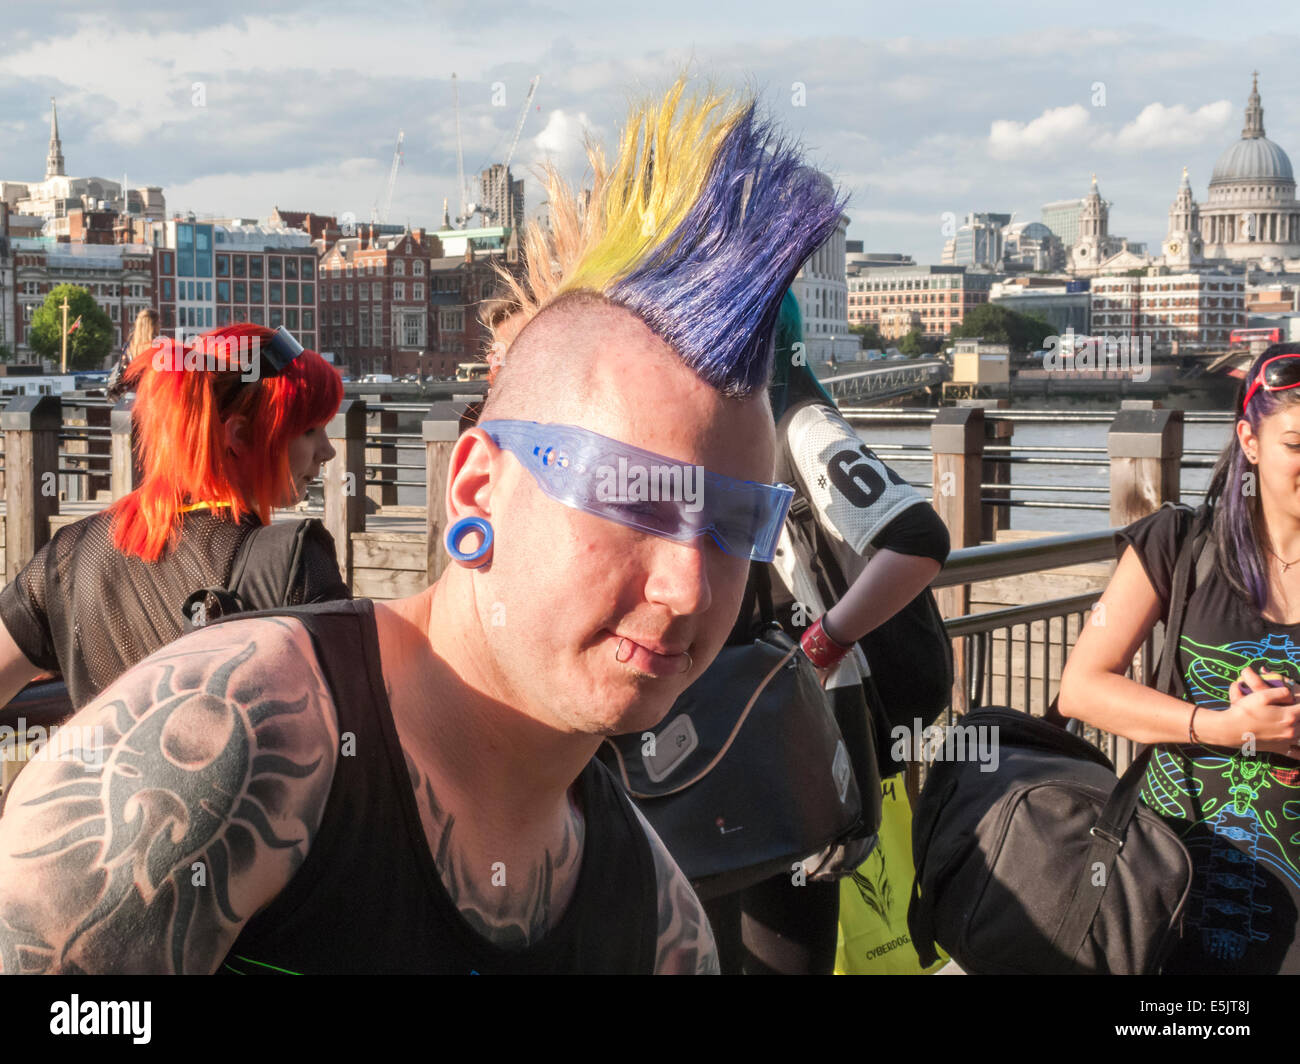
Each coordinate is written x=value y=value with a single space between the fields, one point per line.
x=345 y=480
x=382 y=421
x=1145 y=445
x=997 y=431
x=124 y=470
x=957 y=449
x=441 y=427
x=31 y=428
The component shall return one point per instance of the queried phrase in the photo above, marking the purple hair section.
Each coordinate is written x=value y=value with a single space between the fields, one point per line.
x=712 y=288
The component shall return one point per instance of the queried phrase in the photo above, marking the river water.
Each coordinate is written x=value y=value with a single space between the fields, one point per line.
x=1052 y=436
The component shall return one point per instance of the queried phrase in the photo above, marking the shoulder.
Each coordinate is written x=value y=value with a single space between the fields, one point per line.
x=1155 y=539
x=817 y=419
x=684 y=944
x=852 y=492
x=172 y=808
x=53 y=558
x=1159 y=532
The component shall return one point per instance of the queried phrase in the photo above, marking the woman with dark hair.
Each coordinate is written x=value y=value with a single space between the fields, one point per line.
x=1227 y=779
x=229 y=427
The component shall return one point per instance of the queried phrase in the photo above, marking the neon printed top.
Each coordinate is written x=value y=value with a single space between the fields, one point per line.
x=1238 y=815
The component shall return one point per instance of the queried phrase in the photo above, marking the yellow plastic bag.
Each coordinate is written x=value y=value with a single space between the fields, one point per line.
x=873 y=935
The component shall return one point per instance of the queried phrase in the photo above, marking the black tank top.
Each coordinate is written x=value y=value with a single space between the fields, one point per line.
x=368 y=898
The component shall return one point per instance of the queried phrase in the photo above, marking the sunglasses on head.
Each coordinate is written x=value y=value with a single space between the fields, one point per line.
x=276 y=356
x=1276 y=373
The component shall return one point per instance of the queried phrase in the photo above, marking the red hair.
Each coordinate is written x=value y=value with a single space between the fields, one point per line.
x=180 y=419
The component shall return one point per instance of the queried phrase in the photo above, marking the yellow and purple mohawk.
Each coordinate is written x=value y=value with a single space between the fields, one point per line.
x=698 y=227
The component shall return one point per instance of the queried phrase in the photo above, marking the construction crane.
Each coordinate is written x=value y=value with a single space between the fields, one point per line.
x=468 y=207
x=392 y=181
x=514 y=143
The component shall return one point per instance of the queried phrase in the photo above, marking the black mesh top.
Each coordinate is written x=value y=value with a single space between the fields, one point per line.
x=82 y=608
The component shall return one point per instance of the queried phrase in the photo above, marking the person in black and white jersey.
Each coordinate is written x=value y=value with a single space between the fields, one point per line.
x=882 y=529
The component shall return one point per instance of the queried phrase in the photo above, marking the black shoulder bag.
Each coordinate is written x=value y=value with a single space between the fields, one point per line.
x=1047 y=864
x=748 y=773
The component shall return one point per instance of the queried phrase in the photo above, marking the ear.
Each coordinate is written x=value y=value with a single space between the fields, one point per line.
x=237 y=435
x=469 y=476
x=1246 y=438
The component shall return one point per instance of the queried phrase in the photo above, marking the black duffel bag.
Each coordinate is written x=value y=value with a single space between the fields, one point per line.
x=749 y=773
x=1048 y=864
x=1045 y=865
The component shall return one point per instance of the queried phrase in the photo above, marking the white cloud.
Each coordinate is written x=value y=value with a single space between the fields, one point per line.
x=1054 y=129
x=561 y=142
x=1158 y=126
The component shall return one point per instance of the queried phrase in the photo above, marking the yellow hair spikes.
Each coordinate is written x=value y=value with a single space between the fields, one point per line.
x=551 y=253
x=663 y=161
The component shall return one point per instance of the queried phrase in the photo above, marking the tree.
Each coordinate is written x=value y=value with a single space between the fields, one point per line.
x=89 y=345
x=870 y=335
x=6 y=353
x=999 y=325
x=913 y=343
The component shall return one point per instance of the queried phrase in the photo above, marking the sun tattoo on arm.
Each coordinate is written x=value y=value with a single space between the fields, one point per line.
x=150 y=847
x=685 y=944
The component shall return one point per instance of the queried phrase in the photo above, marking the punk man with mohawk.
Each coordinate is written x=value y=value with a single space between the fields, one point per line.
x=410 y=786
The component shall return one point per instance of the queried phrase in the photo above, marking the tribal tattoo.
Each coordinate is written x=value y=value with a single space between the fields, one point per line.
x=685 y=945
x=512 y=917
x=150 y=853
x=518 y=918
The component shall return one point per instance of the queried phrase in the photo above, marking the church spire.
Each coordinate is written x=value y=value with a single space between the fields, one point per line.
x=54 y=158
x=1254 y=126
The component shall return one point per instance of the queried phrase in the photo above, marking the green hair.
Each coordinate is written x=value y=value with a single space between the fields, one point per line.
x=792 y=380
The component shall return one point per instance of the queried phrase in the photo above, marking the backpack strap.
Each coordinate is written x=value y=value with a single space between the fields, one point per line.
x=269 y=563
x=266 y=568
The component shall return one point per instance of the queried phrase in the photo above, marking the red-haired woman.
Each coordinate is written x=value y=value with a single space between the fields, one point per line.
x=229 y=427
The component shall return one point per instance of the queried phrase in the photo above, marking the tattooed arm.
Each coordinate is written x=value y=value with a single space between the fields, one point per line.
x=686 y=945
x=171 y=809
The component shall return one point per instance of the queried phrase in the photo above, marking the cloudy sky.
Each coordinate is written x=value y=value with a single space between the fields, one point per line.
x=919 y=110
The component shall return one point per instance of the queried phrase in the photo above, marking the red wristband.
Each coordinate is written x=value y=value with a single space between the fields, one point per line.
x=821 y=649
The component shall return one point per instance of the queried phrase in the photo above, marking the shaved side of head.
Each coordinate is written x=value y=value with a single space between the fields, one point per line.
x=547 y=372
x=585 y=360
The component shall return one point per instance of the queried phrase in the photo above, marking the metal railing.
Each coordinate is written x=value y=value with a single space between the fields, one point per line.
x=991 y=636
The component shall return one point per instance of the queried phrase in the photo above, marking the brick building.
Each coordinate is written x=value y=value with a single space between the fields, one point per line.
x=376 y=314
x=1194 y=308
x=935 y=298
x=118 y=277
x=461 y=286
